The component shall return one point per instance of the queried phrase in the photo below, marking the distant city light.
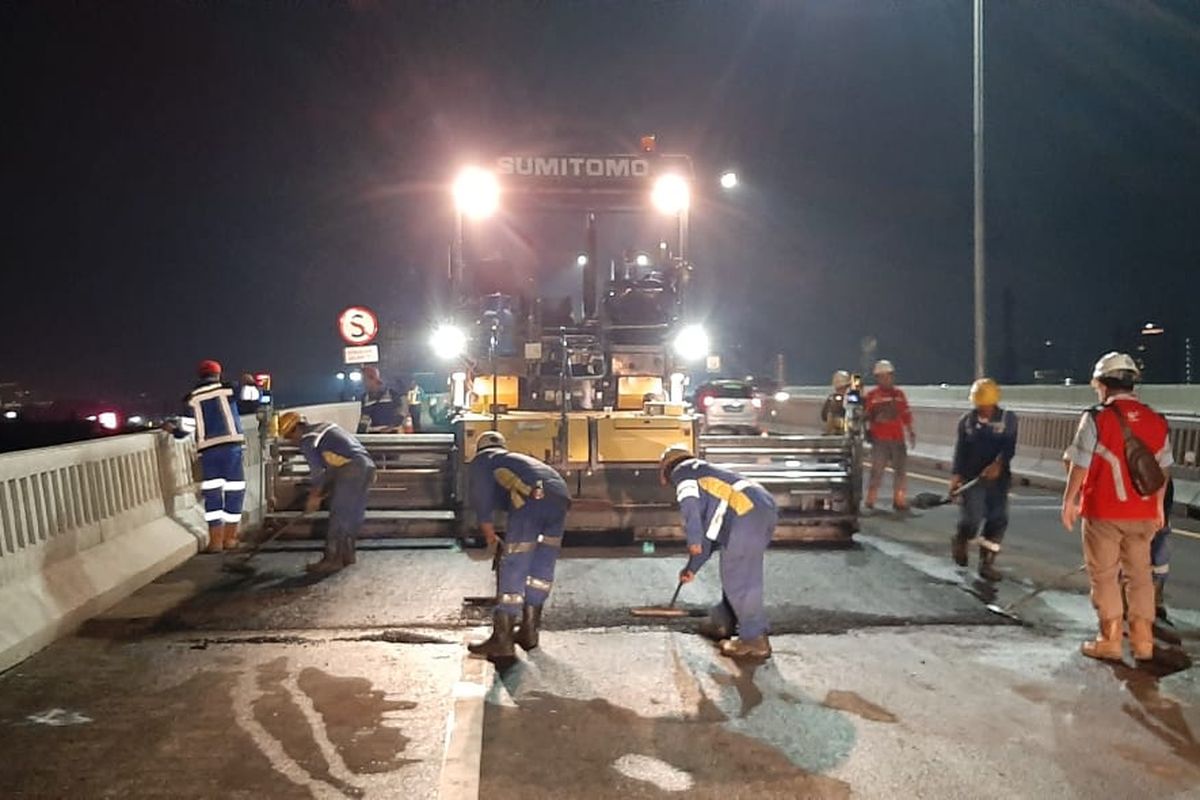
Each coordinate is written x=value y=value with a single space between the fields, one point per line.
x=108 y=420
x=10 y=414
x=1150 y=329
x=581 y=259
x=341 y=376
x=642 y=260
x=729 y=179
x=782 y=397
x=355 y=376
x=136 y=420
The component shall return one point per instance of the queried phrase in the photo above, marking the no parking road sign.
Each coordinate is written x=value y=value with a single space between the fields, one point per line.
x=358 y=325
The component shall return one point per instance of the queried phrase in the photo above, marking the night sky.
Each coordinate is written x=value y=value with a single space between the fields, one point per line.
x=196 y=180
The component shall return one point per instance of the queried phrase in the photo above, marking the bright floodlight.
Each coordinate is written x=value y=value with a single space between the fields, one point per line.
x=671 y=194
x=729 y=179
x=10 y=414
x=643 y=260
x=581 y=259
x=691 y=343
x=355 y=376
x=476 y=193
x=448 y=342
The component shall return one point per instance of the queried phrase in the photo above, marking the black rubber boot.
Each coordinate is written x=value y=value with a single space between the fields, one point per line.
x=500 y=643
x=531 y=623
x=958 y=550
x=349 y=551
x=987 y=565
x=1160 y=606
x=721 y=622
x=330 y=563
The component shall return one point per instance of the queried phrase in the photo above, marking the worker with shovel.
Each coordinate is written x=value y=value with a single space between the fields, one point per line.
x=339 y=465
x=986 y=442
x=724 y=511
x=536 y=499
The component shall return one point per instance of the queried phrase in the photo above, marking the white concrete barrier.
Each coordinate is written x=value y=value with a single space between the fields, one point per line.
x=84 y=525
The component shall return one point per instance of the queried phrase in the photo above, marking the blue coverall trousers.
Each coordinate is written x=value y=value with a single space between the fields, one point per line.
x=742 y=569
x=531 y=546
x=348 y=504
x=986 y=504
x=223 y=484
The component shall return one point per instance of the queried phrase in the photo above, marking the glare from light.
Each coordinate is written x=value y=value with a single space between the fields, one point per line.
x=691 y=343
x=448 y=342
x=341 y=376
x=136 y=420
x=10 y=414
x=782 y=397
x=355 y=376
x=107 y=420
x=729 y=179
x=476 y=193
x=671 y=194
x=581 y=259
x=642 y=260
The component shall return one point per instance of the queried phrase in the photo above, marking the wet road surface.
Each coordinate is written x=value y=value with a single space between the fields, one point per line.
x=890 y=678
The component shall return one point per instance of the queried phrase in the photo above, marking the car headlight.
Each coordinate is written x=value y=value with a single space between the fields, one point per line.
x=448 y=342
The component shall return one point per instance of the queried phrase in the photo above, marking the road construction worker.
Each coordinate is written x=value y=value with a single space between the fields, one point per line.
x=339 y=468
x=833 y=413
x=536 y=499
x=724 y=511
x=249 y=396
x=888 y=420
x=212 y=408
x=382 y=409
x=415 y=399
x=1160 y=558
x=1118 y=520
x=983 y=449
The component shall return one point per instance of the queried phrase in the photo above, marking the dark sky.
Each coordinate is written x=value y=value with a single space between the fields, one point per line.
x=188 y=180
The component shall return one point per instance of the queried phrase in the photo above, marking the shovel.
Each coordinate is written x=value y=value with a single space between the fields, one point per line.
x=242 y=565
x=926 y=500
x=1008 y=610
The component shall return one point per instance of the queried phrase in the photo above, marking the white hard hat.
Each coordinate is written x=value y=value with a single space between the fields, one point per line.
x=489 y=440
x=1116 y=365
x=882 y=366
x=841 y=378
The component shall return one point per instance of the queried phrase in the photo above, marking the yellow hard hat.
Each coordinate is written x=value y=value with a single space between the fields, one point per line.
x=985 y=392
x=288 y=422
x=672 y=456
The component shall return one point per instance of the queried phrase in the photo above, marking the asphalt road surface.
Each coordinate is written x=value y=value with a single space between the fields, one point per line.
x=891 y=678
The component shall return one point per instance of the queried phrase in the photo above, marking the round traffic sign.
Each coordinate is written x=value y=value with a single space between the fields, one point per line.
x=358 y=325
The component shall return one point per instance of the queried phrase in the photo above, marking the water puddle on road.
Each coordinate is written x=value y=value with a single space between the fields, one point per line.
x=555 y=747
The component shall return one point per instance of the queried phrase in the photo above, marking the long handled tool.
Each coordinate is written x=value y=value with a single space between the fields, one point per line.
x=242 y=565
x=669 y=610
x=926 y=500
x=1013 y=606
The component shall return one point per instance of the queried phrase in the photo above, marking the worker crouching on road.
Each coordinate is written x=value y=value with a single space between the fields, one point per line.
x=1121 y=451
x=536 y=499
x=983 y=450
x=724 y=511
x=889 y=419
x=339 y=466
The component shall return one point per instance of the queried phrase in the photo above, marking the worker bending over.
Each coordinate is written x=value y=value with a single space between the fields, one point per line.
x=536 y=499
x=724 y=511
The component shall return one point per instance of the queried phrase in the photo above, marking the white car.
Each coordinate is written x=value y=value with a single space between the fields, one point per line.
x=729 y=407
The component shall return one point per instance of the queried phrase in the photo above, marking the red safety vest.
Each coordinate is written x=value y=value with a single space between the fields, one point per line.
x=1107 y=491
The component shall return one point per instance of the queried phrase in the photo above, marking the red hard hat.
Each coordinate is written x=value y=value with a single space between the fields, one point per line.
x=208 y=367
x=371 y=373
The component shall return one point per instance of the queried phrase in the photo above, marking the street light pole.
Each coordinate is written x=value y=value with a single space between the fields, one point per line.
x=980 y=311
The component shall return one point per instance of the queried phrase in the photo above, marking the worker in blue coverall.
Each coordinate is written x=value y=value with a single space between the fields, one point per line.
x=1160 y=557
x=536 y=499
x=724 y=511
x=984 y=449
x=212 y=413
x=338 y=465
